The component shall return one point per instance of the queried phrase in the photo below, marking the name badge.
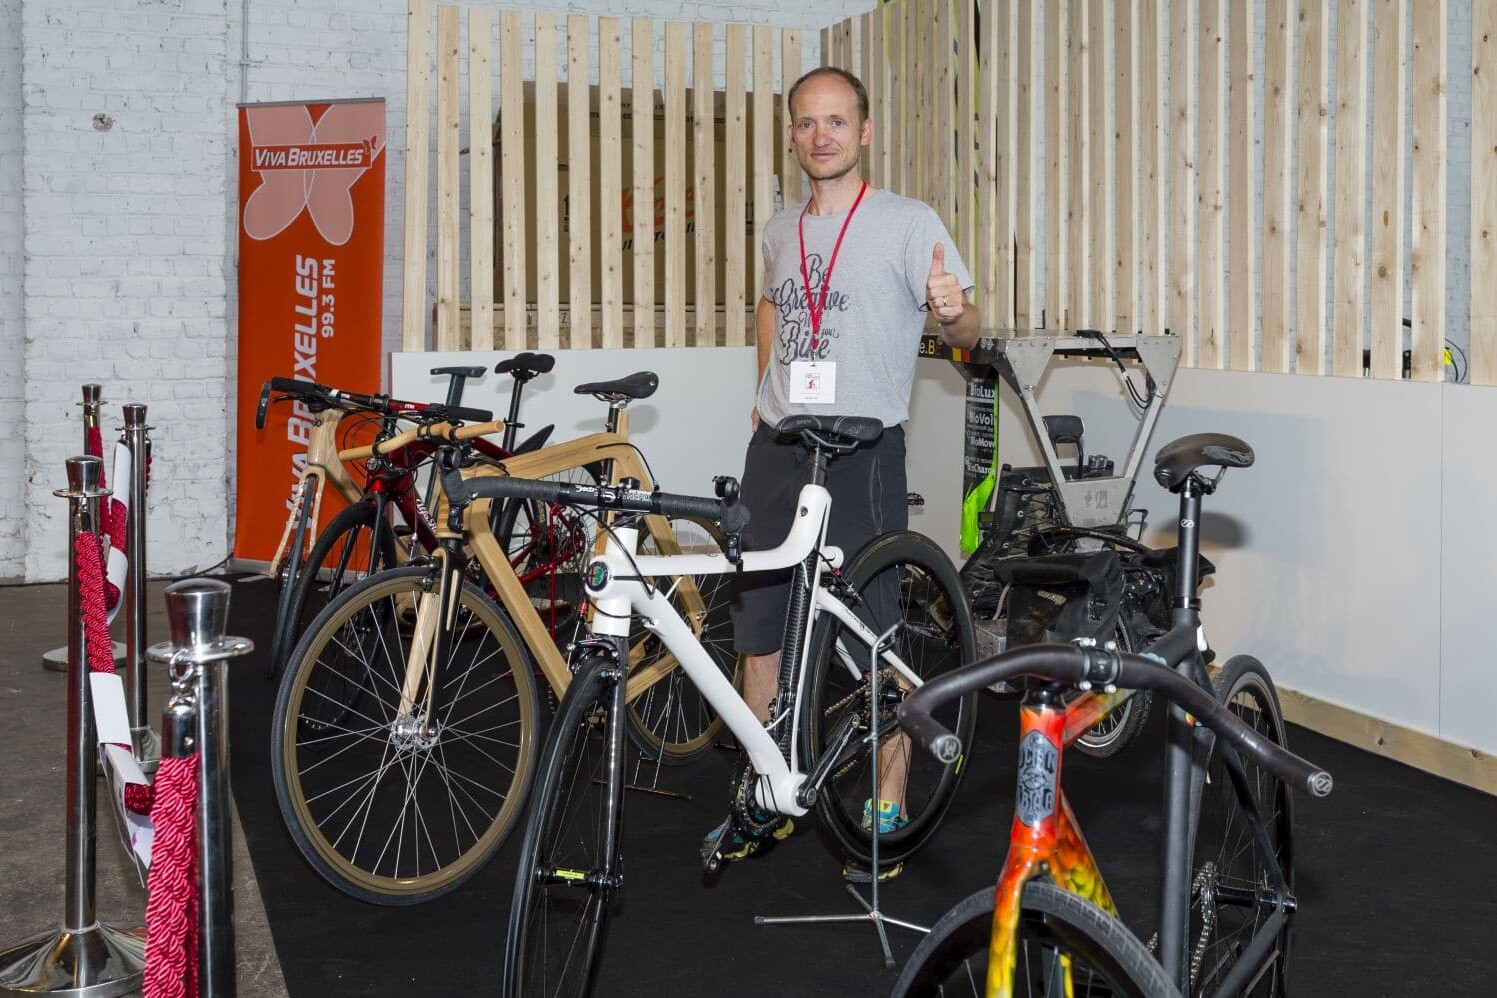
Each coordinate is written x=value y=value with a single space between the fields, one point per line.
x=813 y=384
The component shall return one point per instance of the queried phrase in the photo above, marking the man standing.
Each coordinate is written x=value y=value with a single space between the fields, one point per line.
x=850 y=276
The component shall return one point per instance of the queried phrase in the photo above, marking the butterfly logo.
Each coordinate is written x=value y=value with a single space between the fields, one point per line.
x=323 y=192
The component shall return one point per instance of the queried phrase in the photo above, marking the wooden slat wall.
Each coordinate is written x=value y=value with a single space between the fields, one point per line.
x=449 y=173
x=1483 y=192
x=704 y=184
x=579 y=183
x=1427 y=251
x=610 y=180
x=1389 y=49
x=512 y=173
x=417 y=153
x=481 y=178
x=1350 y=275
x=1142 y=214
x=642 y=101
x=1242 y=252
x=1211 y=206
x=1153 y=215
x=1278 y=185
x=1026 y=244
x=1311 y=211
x=735 y=185
x=1126 y=172
x=1181 y=307
x=547 y=223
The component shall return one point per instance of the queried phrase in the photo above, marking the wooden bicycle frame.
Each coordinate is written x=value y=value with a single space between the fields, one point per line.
x=608 y=446
x=323 y=466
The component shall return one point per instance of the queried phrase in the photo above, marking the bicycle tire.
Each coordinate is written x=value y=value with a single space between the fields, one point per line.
x=568 y=868
x=1105 y=959
x=670 y=720
x=1225 y=865
x=1119 y=729
x=470 y=761
x=341 y=547
x=286 y=577
x=936 y=639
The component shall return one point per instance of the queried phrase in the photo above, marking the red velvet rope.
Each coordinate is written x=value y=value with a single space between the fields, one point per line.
x=100 y=649
x=171 y=905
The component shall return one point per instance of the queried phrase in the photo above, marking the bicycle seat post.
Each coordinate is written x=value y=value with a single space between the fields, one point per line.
x=1189 y=550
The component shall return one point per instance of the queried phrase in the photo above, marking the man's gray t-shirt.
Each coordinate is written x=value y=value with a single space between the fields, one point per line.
x=875 y=307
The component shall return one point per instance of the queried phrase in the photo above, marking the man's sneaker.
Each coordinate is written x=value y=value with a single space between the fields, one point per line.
x=890 y=818
x=727 y=842
x=858 y=875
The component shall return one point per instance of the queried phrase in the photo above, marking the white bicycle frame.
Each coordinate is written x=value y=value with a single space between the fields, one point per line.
x=623 y=594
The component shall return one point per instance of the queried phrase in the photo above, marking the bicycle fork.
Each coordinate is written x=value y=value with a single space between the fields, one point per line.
x=431 y=642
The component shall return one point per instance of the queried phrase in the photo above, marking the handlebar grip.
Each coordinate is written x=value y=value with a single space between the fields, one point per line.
x=263 y=405
x=295 y=386
x=462 y=491
x=930 y=733
x=463 y=414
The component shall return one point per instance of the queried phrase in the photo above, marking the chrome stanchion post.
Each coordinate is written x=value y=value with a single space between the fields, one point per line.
x=197 y=612
x=143 y=741
x=93 y=403
x=84 y=956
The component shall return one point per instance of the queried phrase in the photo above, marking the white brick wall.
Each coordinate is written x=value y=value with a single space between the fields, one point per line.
x=125 y=233
x=12 y=367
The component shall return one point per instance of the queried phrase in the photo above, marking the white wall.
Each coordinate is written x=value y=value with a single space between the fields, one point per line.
x=12 y=354
x=127 y=249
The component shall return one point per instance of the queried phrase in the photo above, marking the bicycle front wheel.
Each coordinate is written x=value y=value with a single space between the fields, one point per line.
x=1232 y=887
x=569 y=868
x=670 y=719
x=357 y=544
x=1066 y=946
x=901 y=578
x=398 y=807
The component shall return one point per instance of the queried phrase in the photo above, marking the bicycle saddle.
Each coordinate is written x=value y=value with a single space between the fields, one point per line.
x=636 y=386
x=527 y=365
x=839 y=433
x=1177 y=459
x=464 y=372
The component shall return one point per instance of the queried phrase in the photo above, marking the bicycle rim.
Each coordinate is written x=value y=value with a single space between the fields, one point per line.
x=1232 y=883
x=569 y=868
x=399 y=809
x=670 y=719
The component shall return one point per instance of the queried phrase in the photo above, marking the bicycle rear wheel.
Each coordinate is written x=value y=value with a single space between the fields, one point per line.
x=569 y=867
x=670 y=719
x=1067 y=946
x=357 y=544
x=903 y=578
x=1232 y=893
x=398 y=808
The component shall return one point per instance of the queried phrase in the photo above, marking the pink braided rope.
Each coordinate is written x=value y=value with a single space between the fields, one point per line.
x=171 y=905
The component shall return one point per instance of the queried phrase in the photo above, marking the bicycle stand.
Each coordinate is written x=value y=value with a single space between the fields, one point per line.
x=871 y=912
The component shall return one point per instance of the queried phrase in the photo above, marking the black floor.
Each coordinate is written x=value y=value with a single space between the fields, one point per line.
x=1397 y=879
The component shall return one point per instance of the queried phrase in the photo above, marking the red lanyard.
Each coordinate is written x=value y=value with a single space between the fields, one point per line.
x=816 y=308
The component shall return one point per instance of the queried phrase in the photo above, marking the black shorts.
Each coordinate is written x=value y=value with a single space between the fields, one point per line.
x=869 y=497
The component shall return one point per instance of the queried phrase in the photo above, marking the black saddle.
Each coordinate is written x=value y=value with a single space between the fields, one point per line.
x=837 y=433
x=640 y=385
x=1178 y=459
x=525 y=366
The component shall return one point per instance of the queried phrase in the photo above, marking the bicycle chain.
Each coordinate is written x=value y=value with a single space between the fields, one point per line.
x=1204 y=876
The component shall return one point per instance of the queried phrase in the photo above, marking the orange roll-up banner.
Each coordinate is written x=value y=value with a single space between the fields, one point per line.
x=311 y=249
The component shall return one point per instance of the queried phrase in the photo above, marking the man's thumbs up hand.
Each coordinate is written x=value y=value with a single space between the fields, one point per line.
x=942 y=290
